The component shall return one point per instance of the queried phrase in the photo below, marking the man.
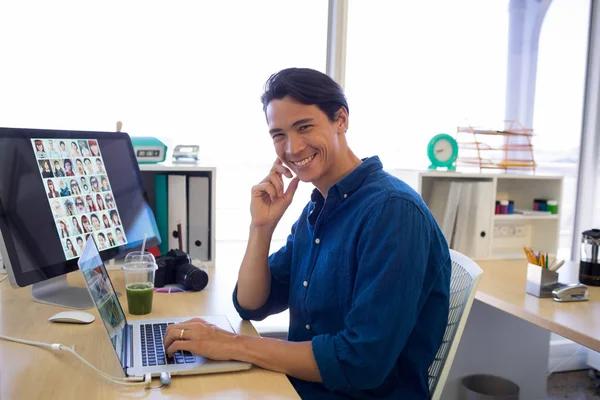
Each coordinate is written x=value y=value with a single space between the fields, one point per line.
x=365 y=271
x=52 y=152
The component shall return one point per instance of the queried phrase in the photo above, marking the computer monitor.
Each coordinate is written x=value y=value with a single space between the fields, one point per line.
x=56 y=189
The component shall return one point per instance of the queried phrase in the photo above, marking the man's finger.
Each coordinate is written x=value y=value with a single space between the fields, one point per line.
x=276 y=181
x=291 y=189
x=179 y=345
x=282 y=170
x=171 y=336
x=268 y=188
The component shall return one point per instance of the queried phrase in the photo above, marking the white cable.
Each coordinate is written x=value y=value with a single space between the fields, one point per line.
x=133 y=381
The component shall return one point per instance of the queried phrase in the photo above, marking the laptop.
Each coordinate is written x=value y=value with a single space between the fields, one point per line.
x=139 y=344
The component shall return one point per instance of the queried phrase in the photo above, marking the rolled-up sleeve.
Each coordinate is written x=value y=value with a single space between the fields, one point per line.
x=278 y=300
x=392 y=256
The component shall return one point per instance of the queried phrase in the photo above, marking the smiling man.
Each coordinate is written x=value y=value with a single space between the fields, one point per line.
x=365 y=271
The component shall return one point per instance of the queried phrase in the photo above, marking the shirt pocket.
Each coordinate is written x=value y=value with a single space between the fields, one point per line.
x=330 y=291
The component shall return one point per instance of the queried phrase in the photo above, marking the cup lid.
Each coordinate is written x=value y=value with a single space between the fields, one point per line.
x=139 y=267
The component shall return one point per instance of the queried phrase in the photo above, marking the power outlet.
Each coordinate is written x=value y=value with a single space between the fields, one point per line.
x=520 y=230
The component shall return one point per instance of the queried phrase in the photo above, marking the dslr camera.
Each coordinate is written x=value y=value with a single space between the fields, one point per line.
x=176 y=267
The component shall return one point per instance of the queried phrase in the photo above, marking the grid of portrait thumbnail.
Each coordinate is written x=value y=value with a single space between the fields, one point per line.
x=79 y=193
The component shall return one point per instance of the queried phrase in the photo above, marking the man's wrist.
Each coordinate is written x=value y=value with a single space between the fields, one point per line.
x=262 y=230
x=237 y=347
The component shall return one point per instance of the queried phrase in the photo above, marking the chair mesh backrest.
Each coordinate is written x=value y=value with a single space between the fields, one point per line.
x=460 y=289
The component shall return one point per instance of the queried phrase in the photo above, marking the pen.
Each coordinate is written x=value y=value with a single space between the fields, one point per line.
x=560 y=264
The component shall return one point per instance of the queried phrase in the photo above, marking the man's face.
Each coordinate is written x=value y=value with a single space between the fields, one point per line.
x=304 y=138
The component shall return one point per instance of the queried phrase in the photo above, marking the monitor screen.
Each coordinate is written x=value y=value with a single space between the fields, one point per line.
x=103 y=294
x=57 y=189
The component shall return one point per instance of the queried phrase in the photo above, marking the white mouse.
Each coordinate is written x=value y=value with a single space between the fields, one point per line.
x=73 y=317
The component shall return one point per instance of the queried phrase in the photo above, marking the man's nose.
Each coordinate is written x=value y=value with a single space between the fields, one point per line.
x=294 y=144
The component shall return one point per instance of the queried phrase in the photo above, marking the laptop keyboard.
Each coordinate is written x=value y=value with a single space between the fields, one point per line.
x=153 y=350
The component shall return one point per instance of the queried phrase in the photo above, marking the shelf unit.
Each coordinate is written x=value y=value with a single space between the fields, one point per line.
x=149 y=171
x=503 y=236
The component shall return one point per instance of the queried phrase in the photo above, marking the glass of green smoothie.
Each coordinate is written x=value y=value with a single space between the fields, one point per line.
x=139 y=270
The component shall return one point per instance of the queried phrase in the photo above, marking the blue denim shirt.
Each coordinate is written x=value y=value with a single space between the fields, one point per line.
x=366 y=277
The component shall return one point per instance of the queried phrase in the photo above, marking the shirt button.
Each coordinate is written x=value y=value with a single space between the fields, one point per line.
x=305 y=283
x=345 y=195
x=317 y=240
x=307 y=327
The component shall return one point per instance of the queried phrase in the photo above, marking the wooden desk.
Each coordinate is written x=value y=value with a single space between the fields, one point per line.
x=28 y=372
x=508 y=331
x=503 y=286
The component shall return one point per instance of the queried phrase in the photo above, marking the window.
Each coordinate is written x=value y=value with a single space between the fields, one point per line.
x=416 y=69
x=559 y=102
x=186 y=72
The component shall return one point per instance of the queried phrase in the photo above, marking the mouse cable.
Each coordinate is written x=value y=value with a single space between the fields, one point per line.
x=133 y=381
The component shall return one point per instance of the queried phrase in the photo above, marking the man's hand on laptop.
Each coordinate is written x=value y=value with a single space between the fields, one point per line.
x=199 y=337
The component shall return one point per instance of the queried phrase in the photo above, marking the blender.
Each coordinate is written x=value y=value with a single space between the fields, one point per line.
x=589 y=266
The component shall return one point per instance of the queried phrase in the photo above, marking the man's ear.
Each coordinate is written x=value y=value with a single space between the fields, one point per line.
x=341 y=119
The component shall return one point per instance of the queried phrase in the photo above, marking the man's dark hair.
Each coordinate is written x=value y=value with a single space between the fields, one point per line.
x=306 y=86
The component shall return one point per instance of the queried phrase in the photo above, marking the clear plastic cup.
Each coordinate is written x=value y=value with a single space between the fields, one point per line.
x=139 y=271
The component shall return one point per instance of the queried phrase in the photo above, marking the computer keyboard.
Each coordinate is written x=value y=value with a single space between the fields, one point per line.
x=153 y=350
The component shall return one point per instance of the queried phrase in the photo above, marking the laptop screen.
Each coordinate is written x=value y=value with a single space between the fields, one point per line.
x=104 y=296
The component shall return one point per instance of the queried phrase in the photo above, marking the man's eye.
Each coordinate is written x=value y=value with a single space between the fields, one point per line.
x=277 y=135
x=304 y=128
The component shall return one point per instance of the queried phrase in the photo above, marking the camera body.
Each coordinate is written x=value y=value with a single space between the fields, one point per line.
x=176 y=267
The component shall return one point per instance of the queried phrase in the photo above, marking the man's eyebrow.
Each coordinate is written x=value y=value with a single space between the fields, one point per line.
x=295 y=124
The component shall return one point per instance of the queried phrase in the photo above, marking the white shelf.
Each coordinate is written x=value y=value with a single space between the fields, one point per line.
x=523 y=217
x=491 y=236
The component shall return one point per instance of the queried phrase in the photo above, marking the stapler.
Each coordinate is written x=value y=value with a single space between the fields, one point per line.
x=573 y=292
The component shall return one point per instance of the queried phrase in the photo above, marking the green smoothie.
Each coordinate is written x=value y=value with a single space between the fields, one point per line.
x=139 y=298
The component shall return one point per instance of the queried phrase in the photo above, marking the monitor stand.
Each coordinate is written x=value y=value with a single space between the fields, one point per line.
x=58 y=292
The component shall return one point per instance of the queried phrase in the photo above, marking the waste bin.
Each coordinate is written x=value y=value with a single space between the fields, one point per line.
x=489 y=387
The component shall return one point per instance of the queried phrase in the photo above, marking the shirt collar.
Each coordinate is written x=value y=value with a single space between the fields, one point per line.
x=351 y=182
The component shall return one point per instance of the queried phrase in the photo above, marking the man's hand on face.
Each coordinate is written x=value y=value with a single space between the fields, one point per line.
x=269 y=200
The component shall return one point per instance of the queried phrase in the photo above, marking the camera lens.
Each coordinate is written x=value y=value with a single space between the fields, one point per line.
x=191 y=277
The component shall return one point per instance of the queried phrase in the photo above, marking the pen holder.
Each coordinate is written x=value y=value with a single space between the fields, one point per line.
x=540 y=281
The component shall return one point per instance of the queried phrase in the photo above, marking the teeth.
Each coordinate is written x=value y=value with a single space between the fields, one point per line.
x=304 y=162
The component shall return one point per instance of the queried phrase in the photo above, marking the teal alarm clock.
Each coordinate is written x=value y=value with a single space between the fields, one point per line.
x=148 y=150
x=442 y=151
